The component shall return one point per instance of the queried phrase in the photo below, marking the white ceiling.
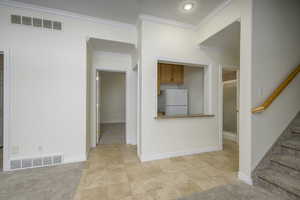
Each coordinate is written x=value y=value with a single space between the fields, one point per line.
x=170 y=9
x=127 y=11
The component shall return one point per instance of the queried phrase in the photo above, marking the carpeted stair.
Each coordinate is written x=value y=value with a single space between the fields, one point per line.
x=279 y=172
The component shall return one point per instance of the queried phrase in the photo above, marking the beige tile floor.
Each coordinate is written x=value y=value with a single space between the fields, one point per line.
x=113 y=133
x=113 y=172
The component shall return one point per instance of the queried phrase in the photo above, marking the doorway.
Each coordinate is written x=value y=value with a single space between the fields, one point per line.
x=4 y=109
x=224 y=48
x=111 y=107
x=229 y=111
x=1 y=108
x=230 y=104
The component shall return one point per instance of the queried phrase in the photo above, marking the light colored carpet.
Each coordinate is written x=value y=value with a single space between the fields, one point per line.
x=113 y=133
x=49 y=183
x=237 y=191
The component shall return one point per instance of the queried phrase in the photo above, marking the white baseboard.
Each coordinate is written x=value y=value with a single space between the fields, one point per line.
x=246 y=179
x=150 y=157
x=230 y=136
x=75 y=159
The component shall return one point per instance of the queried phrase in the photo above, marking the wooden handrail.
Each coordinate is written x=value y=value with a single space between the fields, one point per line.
x=277 y=92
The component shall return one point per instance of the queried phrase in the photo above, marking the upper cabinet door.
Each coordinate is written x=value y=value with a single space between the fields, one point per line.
x=165 y=73
x=178 y=74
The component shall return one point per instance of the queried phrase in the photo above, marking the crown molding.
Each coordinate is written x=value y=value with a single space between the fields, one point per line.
x=166 y=21
x=214 y=13
x=59 y=12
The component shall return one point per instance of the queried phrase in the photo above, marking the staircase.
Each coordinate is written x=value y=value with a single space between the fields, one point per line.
x=279 y=171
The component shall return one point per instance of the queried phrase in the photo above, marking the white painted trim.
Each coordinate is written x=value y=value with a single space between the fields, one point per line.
x=159 y=20
x=182 y=61
x=229 y=82
x=139 y=111
x=151 y=157
x=207 y=80
x=220 y=101
x=113 y=122
x=246 y=179
x=64 y=13
x=208 y=88
x=108 y=69
x=225 y=134
x=7 y=109
x=213 y=13
x=59 y=12
x=230 y=136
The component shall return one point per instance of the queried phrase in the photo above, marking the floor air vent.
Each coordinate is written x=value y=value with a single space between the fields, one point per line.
x=36 y=22
x=36 y=162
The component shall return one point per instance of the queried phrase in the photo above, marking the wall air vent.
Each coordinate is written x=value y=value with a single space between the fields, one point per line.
x=15 y=164
x=26 y=163
x=36 y=22
x=36 y=162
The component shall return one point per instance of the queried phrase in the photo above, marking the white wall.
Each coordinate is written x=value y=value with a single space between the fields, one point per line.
x=222 y=56
x=48 y=82
x=276 y=52
x=113 y=97
x=155 y=135
x=194 y=82
x=108 y=61
x=238 y=10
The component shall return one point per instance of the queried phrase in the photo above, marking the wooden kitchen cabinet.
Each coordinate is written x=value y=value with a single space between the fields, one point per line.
x=177 y=74
x=170 y=74
x=165 y=73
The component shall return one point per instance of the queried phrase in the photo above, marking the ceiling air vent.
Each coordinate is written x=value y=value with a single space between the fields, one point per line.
x=15 y=19
x=27 y=21
x=36 y=22
x=57 y=25
x=47 y=23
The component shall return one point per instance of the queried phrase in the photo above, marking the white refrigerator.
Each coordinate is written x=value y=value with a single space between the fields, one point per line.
x=174 y=102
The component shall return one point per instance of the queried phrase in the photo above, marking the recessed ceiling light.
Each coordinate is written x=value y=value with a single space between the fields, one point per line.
x=188 y=6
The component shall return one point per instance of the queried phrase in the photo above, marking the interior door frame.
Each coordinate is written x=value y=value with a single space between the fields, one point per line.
x=6 y=108
x=220 y=101
x=98 y=93
x=108 y=69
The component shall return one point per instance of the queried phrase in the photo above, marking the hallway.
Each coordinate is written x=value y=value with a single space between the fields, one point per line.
x=114 y=172
x=113 y=133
